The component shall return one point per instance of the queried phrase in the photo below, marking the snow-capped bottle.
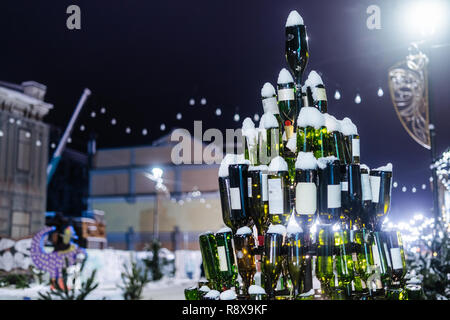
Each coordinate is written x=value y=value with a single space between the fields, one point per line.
x=270 y=143
x=272 y=258
x=270 y=103
x=287 y=102
x=319 y=93
x=329 y=190
x=336 y=141
x=351 y=139
x=278 y=187
x=244 y=243
x=224 y=189
x=239 y=216
x=312 y=132
x=306 y=188
x=296 y=48
x=250 y=141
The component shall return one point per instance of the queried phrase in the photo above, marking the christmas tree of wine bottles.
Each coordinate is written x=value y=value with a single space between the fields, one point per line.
x=303 y=216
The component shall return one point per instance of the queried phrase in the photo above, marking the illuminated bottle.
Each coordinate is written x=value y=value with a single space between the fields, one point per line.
x=270 y=103
x=258 y=199
x=324 y=262
x=210 y=258
x=270 y=139
x=296 y=255
x=239 y=193
x=381 y=186
x=335 y=138
x=244 y=243
x=272 y=258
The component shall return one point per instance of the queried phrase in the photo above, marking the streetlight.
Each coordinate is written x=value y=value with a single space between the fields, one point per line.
x=160 y=187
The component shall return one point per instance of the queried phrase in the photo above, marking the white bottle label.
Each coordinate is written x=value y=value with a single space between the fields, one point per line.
x=275 y=196
x=366 y=189
x=334 y=196
x=321 y=94
x=375 y=186
x=223 y=266
x=355 y=147
x=396 y=258
x=286 y=94
x=235 y=197
x=376 y=255
x=270 y=105
x=249 y=186
x=306 y=198
x=344 y=185
x=264 y=191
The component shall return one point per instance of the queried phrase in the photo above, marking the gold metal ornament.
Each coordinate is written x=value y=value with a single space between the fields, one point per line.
x=408 y=86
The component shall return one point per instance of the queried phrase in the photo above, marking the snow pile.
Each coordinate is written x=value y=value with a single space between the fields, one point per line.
x=284 y=77
x=278 y=164
x=224 y=230
x=306 y=161
x=322 y=162
x=267 y=90
x=387 y=168
x=204 y=289
x=262 y=168
x=277 y=228
x=243 y=230
x=293 y=226
x=294 y=19
x=363 y=166
x=15 y=254
x=332 y=123
x=292 y=143
x=249 y=131
x=310 y=117
x=228 y=295
x=213 y=294
x=348 y=127
x=226 y=161
x=269 y=121
x=254 y=289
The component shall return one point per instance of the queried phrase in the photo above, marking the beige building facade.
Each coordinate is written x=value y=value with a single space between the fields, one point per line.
x=120 y=186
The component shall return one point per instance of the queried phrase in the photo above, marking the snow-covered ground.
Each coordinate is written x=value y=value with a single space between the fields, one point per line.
x=110 y=264
x=164 y=289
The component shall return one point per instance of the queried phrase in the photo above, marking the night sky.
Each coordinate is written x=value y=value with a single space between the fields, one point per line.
x=144 y=60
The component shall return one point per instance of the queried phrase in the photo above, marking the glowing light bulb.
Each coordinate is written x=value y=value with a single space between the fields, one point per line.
x=358 y=99
x=337 y=95
x=380 y=92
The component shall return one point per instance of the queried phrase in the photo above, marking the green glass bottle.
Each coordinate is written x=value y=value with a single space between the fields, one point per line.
x=227 y=263
x=210 y=258
x=250 y=141
x=296 y=252
x=351 y=139
x=335 y=138
x=191 y=293
x=414 y=292
x=270 y=103
x=278 y=184
x=272 y=258
x=287 y=102
x=381 y=186
x=344 y=260
x=270 y=139
x=244 y=243
x=396 y=256
x=258 y=198
x=324 y=262
x=362 y=256
x=224 y=189
x=311 y=132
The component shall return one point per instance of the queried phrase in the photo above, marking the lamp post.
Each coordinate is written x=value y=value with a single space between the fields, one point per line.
x=160 y=187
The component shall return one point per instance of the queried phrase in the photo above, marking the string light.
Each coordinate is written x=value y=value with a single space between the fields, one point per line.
x=236 y=117
x=337 y=95
x=102 y=110
x=27 y=135
x=256 y=117
x=53 y=145
x=358 y=99
x=93 y=114
x=82 y=127
x=69 y=140
x=38 y=143
x=191 y=102
x=404 y=189
x=162 y=127
x=144 y=132
x=113 y=121
x=218 y=112
x=395 y=184
x=380 y=92
x=203 y=101
x=1 y=133
x=179 y=116
x=128 y=130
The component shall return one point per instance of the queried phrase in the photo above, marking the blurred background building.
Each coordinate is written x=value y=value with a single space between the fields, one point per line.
x=23 y=158
x=120 y=185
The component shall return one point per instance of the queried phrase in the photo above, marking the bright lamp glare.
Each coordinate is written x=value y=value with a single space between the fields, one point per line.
x=157 y=172
x=424 y=18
